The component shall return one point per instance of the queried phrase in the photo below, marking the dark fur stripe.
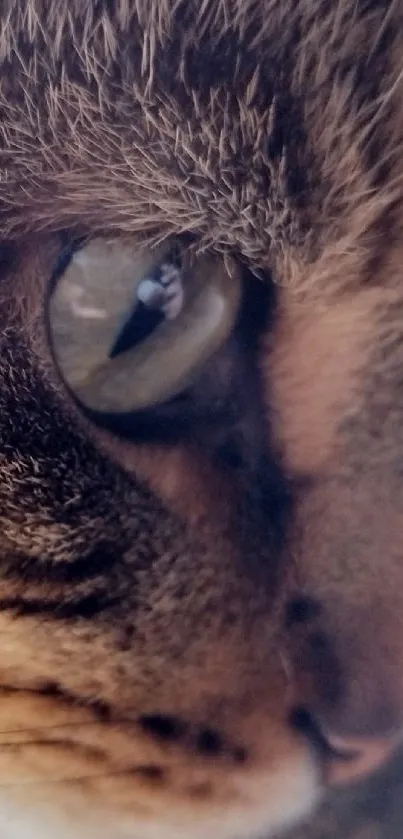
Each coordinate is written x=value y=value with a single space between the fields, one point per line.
x=36 y=570
x=85 y=608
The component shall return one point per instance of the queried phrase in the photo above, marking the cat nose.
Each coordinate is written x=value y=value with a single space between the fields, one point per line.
x=343 y=759
x=349 y=716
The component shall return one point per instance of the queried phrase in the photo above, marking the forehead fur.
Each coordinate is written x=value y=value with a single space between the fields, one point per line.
x=248 y=124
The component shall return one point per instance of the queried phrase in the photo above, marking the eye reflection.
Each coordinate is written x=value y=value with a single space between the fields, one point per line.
x=160 y=295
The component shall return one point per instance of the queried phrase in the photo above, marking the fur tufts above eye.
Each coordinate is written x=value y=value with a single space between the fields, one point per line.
x=131 y=329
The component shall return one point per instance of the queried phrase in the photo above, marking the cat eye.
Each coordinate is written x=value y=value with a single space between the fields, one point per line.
x=130 y=329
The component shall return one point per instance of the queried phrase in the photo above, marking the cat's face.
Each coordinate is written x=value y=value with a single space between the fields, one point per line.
x=200 y=602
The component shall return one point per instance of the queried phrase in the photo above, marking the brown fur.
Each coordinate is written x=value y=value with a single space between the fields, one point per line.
x=147 y=671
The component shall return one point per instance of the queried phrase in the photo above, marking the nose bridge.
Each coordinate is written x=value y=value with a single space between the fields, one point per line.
x=345 y=642
x=323 y=674
x=346 y=658
x=344 y=687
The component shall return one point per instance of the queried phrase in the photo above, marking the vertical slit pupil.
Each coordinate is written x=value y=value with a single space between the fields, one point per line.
x=141 y=322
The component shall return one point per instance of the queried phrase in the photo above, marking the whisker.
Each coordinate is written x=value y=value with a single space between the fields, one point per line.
x=54 y=726
x=78 y=779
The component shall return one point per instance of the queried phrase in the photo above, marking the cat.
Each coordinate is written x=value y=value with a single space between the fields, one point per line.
x=201 y=349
